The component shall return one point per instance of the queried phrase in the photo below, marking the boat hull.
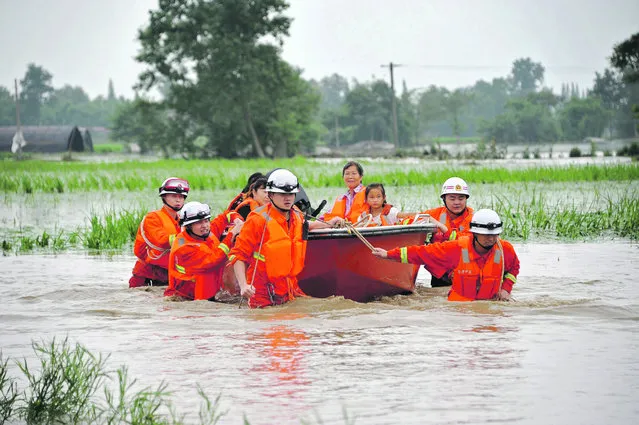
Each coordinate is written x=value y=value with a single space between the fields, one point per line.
x=339 y=264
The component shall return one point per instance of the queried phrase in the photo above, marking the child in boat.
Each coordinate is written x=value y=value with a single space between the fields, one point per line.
x=384 y=214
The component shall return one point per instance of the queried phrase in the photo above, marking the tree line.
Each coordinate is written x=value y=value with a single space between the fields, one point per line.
x=215 y=84
x=42 y=104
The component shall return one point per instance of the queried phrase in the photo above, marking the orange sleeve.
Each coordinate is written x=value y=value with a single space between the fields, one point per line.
x=437 y=258
x=200 y=258
x=511 y=266
x=249 y=238
x=155 y=231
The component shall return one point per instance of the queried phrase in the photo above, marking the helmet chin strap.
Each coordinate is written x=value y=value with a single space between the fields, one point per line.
x=487 y=248
x=190 y=232
x=170 y=206
x=278 y=208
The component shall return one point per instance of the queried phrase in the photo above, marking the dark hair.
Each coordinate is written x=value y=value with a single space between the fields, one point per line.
x=259 y=183
x=376 y=186
x=250 y=181
x=349 y=164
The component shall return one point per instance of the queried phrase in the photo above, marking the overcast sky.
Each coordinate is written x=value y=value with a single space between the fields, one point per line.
x=451 y=43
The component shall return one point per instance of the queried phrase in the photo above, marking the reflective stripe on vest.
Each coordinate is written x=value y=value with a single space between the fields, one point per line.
x=403 y=255
x=258 y=256
x=511 y=277
x=224 y=248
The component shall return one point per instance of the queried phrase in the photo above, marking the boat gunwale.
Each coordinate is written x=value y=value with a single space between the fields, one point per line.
x=317 y=234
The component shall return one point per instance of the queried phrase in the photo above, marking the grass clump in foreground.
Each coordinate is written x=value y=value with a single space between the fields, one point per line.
x=73 y=386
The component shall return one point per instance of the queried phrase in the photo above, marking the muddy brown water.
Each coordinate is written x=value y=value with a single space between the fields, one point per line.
x=565 y=352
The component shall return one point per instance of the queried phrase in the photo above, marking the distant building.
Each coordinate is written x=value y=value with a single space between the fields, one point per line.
x=48 y=139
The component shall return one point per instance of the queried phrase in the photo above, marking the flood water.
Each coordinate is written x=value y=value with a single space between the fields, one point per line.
x=564 y=353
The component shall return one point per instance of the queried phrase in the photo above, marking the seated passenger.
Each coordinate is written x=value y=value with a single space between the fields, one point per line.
x=256 y=197
x=384 y=214
x=155 y=234
x=197 y=258
x=244 y=193
x=350 y=205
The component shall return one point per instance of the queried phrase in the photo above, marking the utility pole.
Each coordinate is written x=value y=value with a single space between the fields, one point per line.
x=336 y=130
x=390 y=66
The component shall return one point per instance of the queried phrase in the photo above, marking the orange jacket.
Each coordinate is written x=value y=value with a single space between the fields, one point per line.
x=474 y=276
x=457 y=227
x=274 y=250
x=155 y=234
x=196 y=266
x=242 y=209
x=339 y=207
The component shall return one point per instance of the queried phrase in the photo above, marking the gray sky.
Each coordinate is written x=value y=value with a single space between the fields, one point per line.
x=86 y=42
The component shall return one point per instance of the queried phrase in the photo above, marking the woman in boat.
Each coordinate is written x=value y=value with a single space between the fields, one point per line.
x=350 y=205
x=197 y=258
x=269 y=253
x=382 y=213
x=257 y=196
x=481 y=266
x=155 y=234
x=244 y=193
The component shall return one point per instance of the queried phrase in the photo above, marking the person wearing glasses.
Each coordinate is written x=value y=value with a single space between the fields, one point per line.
x=480 y=266
x=269 y=253
x=352 y=204
x=198 y=256
x=155 y=234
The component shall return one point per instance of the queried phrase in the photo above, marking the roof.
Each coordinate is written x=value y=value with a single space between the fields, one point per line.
x=48 y=139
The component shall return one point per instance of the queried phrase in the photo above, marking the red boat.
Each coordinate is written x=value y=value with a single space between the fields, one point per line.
x=338 y=263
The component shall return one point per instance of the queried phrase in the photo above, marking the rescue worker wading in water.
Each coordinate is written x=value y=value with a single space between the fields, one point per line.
x=197 y=258
x=481 y=266
x=155 y=235
x=455 y=215
x=269 y=252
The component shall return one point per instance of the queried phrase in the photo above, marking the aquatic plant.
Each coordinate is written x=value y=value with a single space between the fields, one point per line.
x=8 y=391
x=61 y=390
x=65 y=389
x=51 y=177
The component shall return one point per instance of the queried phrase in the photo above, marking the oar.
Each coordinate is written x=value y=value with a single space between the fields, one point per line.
x=352 y=228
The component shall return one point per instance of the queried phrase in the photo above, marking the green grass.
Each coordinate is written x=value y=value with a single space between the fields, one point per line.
x=71 y=385
x=112 y=147
x=58 y=177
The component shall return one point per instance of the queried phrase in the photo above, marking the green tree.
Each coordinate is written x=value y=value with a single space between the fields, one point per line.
x=526 y=76
x=454 y=103
x=7 y=108
x=581 y=118
x=111 y=92
x=625 y=58
x=222 y=61
x=36 y=88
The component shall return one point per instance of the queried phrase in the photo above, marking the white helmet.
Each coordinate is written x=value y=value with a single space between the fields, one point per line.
x=486 y=222
x=193 y=212
x=174 y=185
x=282 y=181
x=455 y=185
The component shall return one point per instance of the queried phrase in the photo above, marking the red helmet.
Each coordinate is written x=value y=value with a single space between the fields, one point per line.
x=174 y=185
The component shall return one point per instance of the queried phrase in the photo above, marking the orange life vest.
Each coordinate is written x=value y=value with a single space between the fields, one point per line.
x=191 y=278
x=152 y=242
x=457 y=227
x=282 y=254
x=357 y=207
x=252 y=204
x=383 y=216
x=472 y=282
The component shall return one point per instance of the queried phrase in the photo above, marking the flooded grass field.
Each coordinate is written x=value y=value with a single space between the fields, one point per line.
x=563 y=352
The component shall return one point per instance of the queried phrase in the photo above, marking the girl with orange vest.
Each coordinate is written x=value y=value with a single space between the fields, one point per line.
x=269 y=253
x=350 y=205
x=197 y=258
x=384 y=214
x=256 y=197
x=481 y=266
x=155 y=235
